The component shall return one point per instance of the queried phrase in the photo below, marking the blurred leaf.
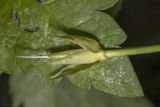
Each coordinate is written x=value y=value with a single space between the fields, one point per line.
x=31 y=91
x=8 y=36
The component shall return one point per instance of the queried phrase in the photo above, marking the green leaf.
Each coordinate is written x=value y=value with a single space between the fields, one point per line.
x=36 y=24
x=8 y=36
x=105 y=29
x=58 y=21
x=29 y=90
x=6 y=55
x=113 y=11
x=115 y=76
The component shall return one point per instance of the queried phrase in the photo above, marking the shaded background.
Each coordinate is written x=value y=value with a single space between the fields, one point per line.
x=140 y=19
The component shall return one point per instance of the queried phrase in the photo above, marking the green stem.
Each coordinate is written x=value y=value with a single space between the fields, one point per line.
x=132 y=51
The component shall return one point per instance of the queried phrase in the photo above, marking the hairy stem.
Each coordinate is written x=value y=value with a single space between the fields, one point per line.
x=132 y=51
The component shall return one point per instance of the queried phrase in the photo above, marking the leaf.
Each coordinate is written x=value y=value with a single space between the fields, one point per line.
x=36 y=25
x=29 y=90
x=115 y=76
x=7 y=50
x=51 y=24
x=8 y=36
x=113 y=11
x=6 y=55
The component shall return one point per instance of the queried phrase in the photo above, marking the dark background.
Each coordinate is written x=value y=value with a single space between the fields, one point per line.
x=140 y=19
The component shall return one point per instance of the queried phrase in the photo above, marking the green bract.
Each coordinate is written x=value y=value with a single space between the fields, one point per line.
x=30 y=27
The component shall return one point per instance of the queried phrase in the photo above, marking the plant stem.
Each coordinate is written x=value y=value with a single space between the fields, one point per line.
x=132 y=51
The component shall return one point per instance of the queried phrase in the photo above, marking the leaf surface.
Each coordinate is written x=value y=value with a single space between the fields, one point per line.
x=30 y=27
x=115 y=76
